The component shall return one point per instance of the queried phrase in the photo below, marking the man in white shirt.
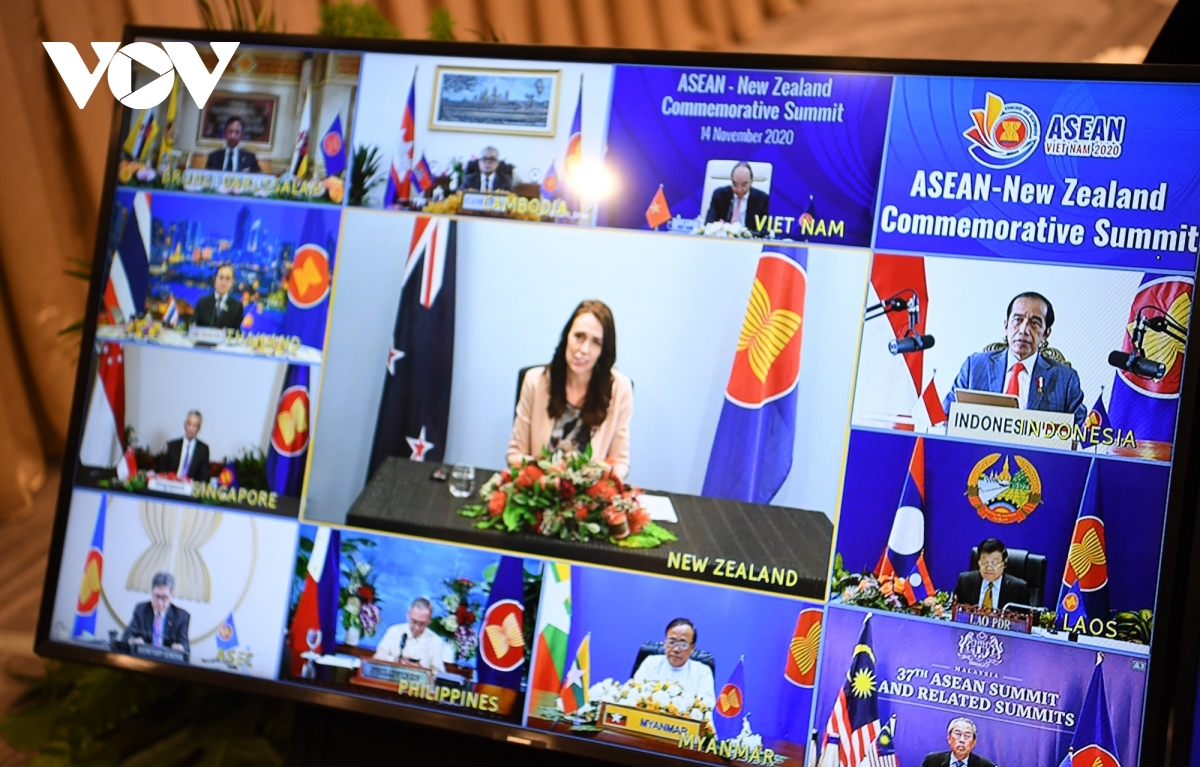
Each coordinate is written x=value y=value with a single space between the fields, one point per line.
x=413 y=642
x=187 y=457
x=1020 y=369
x=232 y=157
x=676 y=665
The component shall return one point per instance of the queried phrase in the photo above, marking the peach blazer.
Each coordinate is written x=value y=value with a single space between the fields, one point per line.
x=533 y=424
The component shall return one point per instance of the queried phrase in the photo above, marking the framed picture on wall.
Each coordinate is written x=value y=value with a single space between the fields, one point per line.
x=518 y=102
x=256 y=110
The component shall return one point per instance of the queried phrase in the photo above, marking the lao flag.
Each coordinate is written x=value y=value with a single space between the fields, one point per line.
x=1095 y=423
x=1087 y=556
x=1145 y=406
x=315 y=618
x=414 y=412
x=227 y=634
x=1094 y=744
x=422 y=176
x=730 y=709
x=89 y=586
x=903 y=276
x=752 y=450
x=799 y=673
x=903 y=561
x=334 y=148
x=402 y=161
x=502 y=647
x=129 y=272
x=290 y=433
x=853 y=724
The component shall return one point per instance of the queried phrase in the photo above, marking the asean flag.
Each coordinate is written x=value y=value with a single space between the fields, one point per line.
x=902 y=565
x=89 y=586
x=752 y=449
x=1087 y=556
x=1094 y=744
x=799 y=674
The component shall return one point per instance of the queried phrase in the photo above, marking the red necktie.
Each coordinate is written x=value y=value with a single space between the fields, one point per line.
x=1014 y=384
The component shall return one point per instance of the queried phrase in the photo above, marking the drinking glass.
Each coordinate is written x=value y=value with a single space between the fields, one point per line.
x=462 y=481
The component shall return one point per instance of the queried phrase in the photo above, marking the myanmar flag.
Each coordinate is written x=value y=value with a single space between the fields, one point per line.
x=552 y=635
x=575 y=687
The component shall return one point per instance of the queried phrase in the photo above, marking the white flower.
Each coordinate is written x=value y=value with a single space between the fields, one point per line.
x=451 y=602
x=353 y=604
x=674 y=689
x=696 y=714
x=364 y=569
x=450 y=623
x=661 y=698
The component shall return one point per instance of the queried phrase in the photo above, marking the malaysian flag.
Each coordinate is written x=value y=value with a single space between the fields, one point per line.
x=853 y=726
x=884 y=752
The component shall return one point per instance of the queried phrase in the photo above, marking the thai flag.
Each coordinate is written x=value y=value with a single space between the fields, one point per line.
x=334 y=148
x=402 y=162
x=129 y=272
x=853 y=725
x=1094 y=744
x=752 y=449
x=1148 y=407
x=317 y=609
x=414 y=412
x=1086 y=572
x=422 y=176
x=171 y=315
x=903 y=562
x=93 y=571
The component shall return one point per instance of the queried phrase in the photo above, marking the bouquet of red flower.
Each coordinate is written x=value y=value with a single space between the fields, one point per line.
x=567 y=496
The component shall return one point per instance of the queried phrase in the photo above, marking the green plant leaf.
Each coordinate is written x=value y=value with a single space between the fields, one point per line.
x=347 y=19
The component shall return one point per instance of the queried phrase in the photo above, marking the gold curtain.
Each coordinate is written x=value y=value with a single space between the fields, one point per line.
x=55 y=153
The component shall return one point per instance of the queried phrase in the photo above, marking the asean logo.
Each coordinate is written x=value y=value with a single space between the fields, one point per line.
x=801 y=665
x=224 y=632
x=1087 y=558
x=1070 y=602
x=289 y=436
x=502 y=645
x=1002 y=134
x=767 y=363
x=332 y=143
x=308 y=283
x=1001 y=496
x=1167 y=299
x=730 y=701
x=89 y=587
x=1093 y=756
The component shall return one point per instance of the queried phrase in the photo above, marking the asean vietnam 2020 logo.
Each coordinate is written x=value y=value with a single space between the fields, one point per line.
x=1002 y=134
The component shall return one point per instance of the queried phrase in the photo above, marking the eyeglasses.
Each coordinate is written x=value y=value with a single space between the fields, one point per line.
x=991 y=565
x=677 y=644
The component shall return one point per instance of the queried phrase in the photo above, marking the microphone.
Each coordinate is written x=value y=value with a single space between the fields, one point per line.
x=910 y=344
x=1137 y=364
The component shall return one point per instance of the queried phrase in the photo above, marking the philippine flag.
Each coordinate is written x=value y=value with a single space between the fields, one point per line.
x=1086 y=572
x=1094 y=744
x=314 y=625
x=903 y=562
x=752 y=450
x=89 y=587
x=129 y=272
x=402 y=161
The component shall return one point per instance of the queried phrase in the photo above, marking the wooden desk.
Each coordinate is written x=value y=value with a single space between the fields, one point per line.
x=793 y=751
x=402 y=498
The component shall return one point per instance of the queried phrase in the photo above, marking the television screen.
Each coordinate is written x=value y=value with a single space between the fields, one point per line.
x=654 y=407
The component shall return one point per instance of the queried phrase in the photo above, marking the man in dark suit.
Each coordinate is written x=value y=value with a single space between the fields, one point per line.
x=219 y=309
x=961 y=736
x=158 y=622
x=1039 y=383
x=187 y=456
x=231 y=157
x=490 y=177
x=989 y=587
x=740 y=202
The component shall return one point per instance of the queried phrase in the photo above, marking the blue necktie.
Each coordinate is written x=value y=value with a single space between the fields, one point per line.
x=187 y=459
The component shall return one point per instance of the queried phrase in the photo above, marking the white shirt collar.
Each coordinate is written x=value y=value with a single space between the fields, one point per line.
x=1030 y=362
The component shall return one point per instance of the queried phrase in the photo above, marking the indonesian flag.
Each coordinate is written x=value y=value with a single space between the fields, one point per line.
x=928 y=411
x=104 y=432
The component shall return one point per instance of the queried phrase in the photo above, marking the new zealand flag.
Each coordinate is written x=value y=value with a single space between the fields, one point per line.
x=752 y=450
x=414 y=413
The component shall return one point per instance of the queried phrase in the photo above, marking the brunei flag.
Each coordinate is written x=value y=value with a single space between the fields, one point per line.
x=903 y=562
x=140 y=138
x=730 y=709
x=89 y=586
x=853 y=725
x=752 y=450
x=552 y=634
x=1084 y=590
x=402 y=162
x=502 y=635
x=1094 y=744
x=574 y=693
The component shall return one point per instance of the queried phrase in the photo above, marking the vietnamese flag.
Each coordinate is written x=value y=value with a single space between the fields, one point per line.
x=658 y=213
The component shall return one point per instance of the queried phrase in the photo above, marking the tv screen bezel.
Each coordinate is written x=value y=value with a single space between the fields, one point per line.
x=1171 y=686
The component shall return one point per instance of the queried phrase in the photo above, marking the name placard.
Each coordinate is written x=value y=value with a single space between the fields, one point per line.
x=1021 y=623
x=206 y=335
x=482 y=202
x=1008 y=424
x=649 y=724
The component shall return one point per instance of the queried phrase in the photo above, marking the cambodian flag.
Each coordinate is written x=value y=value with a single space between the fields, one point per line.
x=422 y=176
x=334 y=148
x=402 y=162
x=1086 y=572
x=730 y=709
x=752 y=450
x=903 y=561
x=89 y=587
x=502 y=648
x=1145 y=406
x=1094 y=744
